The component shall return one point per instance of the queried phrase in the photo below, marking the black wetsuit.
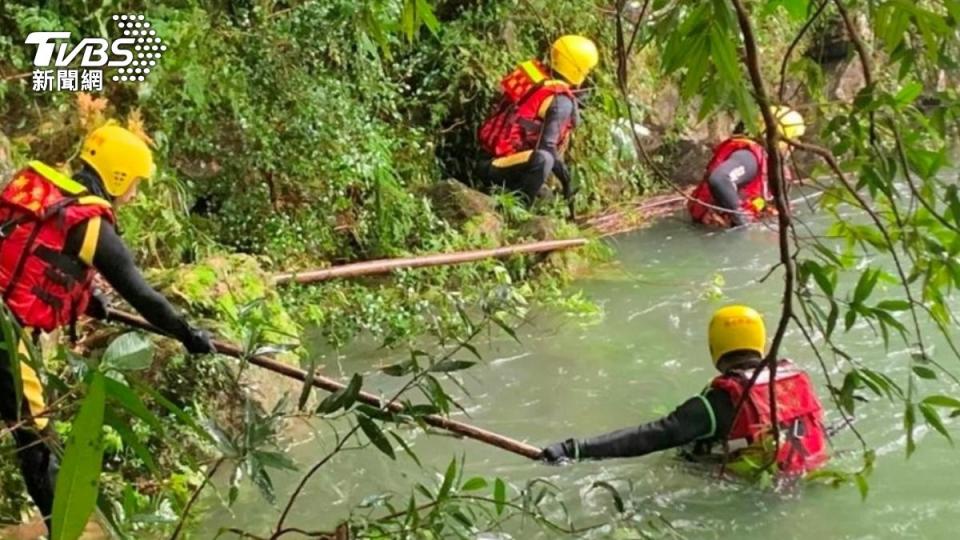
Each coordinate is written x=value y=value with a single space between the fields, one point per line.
x=726 y=180
x=528 y=177
x=706 y=418
x=115 y=263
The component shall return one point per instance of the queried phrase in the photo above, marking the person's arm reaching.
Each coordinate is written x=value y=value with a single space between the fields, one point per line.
x=700 y=417
x=111 y=258
x=562 y=110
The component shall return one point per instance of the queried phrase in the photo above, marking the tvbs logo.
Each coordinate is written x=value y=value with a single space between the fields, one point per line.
x=131 y=56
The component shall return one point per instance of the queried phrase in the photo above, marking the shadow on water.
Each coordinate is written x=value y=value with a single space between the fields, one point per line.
x=644 y=357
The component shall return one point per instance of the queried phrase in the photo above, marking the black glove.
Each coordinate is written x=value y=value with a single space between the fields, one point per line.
x=559 y=452
x=198 y=341
x=97 y=307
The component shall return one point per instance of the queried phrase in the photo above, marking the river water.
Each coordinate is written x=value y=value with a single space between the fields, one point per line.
x=647 y=354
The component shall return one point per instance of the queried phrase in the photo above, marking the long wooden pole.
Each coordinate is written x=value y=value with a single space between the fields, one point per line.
x=382 y=266
x=330 y=385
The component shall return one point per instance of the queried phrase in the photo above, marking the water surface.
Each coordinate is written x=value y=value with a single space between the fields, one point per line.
x=646 y=355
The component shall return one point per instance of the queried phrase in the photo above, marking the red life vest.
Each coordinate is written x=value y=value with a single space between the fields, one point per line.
x=754 y=196
x=43 y=287
x=803 y=445
x=516 y=122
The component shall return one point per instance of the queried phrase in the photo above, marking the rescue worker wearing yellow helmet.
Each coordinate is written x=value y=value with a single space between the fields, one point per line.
x=710 y=422
x=56 y=232
x=524 y=138
x=734 y=190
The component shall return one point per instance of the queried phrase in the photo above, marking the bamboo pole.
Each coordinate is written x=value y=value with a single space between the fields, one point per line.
x=330 y=385
x=383 y=266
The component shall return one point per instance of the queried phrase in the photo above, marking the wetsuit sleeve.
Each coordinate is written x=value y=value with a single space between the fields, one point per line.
x=561 y=111
x=701 y=417
x=725 y=181
x=115 y=263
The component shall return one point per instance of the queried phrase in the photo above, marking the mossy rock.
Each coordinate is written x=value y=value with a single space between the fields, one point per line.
x=540 y=228
x=457 y=203
x=487 y=227
x=233 y=291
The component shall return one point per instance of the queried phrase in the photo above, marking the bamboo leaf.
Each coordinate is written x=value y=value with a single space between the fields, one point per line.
x=406 y=448
x=865 y=285
x=499 y=495
x=924 y=372
x=909 y=422
x=427 y=16
x=862 y=485
x=908 y=93
x=448 y=479
x=131 y=402
x=449 y=364
x=933 y=419
x=376 y=436
x=942 y=401
x=474 y=484
x=307 y=387
x=724 y=55
x=894 y=305
x=79 y=480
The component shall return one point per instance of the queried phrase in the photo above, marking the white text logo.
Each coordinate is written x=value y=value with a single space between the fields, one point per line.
x=133 y=54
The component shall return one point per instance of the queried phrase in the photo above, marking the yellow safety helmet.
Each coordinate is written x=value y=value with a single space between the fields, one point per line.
x=118 y=156
x=573 y=57
x=736 y=328
x=789 y=121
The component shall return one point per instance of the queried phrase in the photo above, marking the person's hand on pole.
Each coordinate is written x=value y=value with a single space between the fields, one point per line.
x=560 y=452
x=198 y=341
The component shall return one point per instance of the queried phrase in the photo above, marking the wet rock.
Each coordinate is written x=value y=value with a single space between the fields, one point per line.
x=846 y=80
x=685 y=160
x=457 y=203
x=540 y=228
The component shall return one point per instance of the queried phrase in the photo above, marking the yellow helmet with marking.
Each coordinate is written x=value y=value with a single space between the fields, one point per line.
x=736 y=328
x=573 y=57
x=789 y=121
x=119 y=157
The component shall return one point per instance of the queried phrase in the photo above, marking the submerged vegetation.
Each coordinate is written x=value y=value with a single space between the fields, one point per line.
x=292 y=135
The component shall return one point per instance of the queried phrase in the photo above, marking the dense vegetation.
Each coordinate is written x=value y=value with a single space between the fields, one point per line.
x=293 y=134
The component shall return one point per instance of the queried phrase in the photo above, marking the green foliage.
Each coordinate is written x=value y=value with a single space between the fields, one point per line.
x=79 y=479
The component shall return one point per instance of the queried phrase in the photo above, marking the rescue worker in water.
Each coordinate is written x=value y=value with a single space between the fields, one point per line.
x=734 y=190
x=524 y=138
x=707 y=423
x=55 y=233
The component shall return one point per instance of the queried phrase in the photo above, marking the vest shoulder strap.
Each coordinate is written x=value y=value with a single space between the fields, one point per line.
x=68 y=185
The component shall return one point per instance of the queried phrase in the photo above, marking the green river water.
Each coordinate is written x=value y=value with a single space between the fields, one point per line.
x=646 y=355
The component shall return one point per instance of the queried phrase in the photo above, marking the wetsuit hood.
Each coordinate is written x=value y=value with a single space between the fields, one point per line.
x=91 y=180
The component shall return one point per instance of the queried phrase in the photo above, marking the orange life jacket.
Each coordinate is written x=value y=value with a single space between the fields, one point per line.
x=803 y=445
x=44 y=287
x=515 y=124
x=754 y=196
